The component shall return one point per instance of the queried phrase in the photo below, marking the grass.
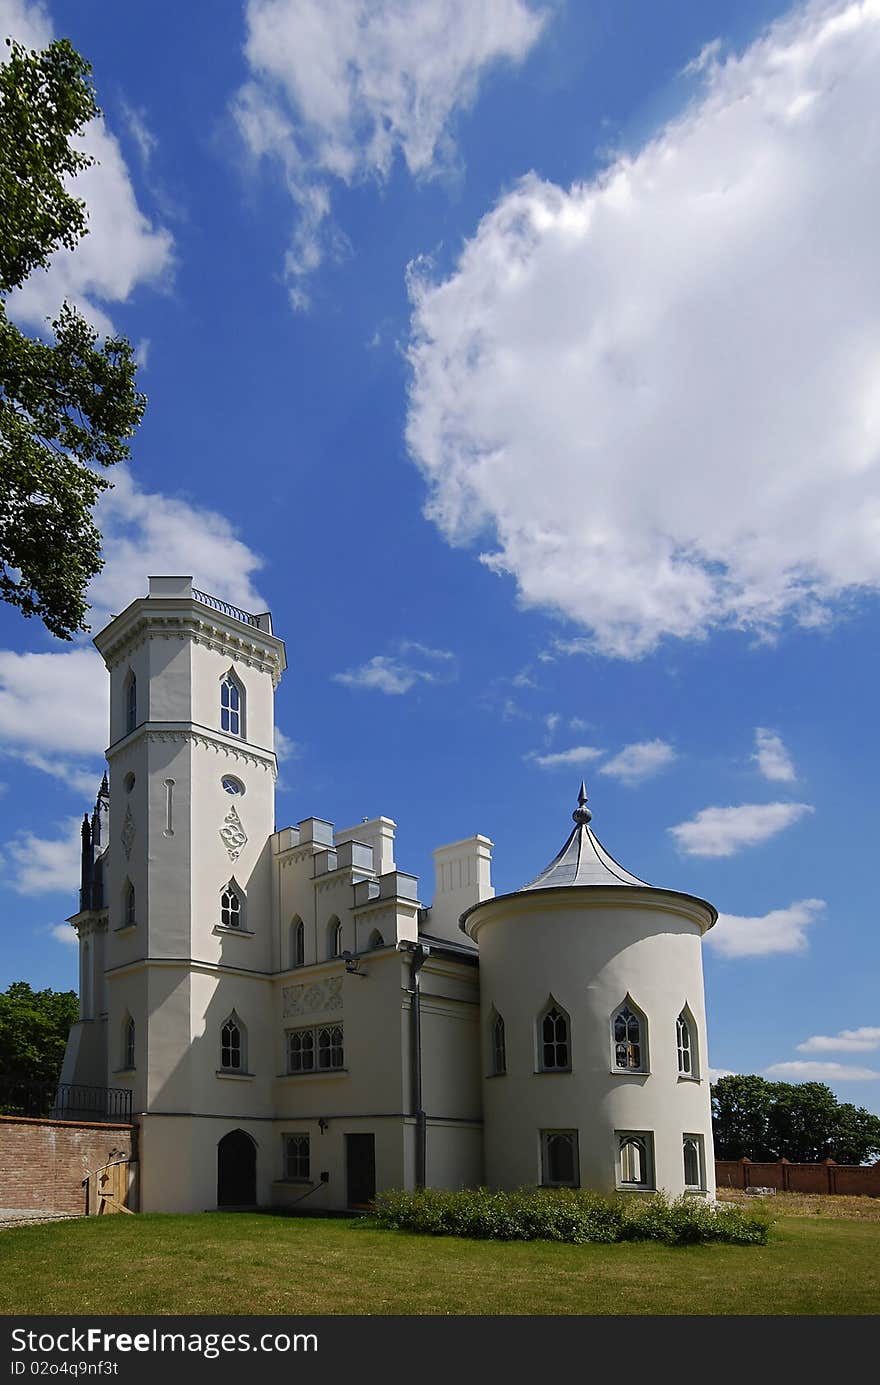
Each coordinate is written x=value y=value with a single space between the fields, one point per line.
x=807 y=1204
x=198 y=1264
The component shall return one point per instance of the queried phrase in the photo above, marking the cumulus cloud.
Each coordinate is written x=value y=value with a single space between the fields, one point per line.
x=639 y=761
x=285 y=746
x=863 y=1040
x=771 y=756
x=400 y=672
x=724 y=831
x=820 y=1072
x=782 y=930
x=714 y=1073
x=46 y=865
x=669 y=375
x=339 y=89
x=63 y=933
x=577 y=755
x=122 y=250
x=65 y=694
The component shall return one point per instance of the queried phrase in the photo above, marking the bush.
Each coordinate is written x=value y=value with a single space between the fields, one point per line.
x=567 y=1214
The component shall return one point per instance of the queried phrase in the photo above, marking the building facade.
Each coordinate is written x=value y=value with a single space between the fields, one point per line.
x=297 y=1027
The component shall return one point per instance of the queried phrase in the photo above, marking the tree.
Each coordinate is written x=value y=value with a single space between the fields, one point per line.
x=800 y=1121
x=67 y=405
x=33 y=1031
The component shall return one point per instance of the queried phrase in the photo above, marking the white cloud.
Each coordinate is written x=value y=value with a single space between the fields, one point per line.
x=724 y=831
x=782 y=930
x=46 y=865
x=863 y=1040
x=714 y=1073
x=398 y=673
x=340 y=88
x=772 y=758
x=285 y=746
x=820 y=1072
x=688 y=345
x=63 y=933
x=65 y=694
x=122 y=249
x=577 y=755
x=639 y=761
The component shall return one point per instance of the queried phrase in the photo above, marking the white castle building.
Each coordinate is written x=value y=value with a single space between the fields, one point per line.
x=295 y=1026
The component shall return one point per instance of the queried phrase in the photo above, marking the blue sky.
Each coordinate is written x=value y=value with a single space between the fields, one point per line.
x=523 y=358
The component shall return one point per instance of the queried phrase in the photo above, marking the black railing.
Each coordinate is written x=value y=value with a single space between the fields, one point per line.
x=64 y=1101
x=235 y=611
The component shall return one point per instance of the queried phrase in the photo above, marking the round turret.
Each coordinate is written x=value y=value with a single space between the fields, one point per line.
x=594 y=1030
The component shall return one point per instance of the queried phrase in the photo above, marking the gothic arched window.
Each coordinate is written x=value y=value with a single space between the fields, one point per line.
x=334 y=938
x=297 y=943
x=232 y=705
x=629 y=1039
x=230 y=908
x=376 y=939
x=232 y=1045
x=130 y=702
x=692 y=1151
x=498 y=1049
x=635 y=1160
x=686 y=1043
x=554 y=1041
x=129 y=910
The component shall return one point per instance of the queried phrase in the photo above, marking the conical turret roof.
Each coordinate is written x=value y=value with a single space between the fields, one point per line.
x=583 y=859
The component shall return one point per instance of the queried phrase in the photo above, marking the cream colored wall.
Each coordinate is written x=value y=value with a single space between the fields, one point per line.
x=588 y=955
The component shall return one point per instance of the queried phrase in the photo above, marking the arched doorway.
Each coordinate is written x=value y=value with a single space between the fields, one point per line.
x=236 y=1170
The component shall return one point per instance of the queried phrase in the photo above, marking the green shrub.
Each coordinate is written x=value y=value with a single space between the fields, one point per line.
x=567 y=1214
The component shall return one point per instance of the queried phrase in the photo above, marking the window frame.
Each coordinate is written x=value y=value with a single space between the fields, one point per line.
x=129 y=906
x=645 y=1139
x=552 y=1007
x=497 y=1050
x=232 y=713
x=297 y=957
x=298 y=1177
x=548 y=1136
x=314 y=1040
x=334 y=938
x=636 y=1014
x=699 y=1145
x=130 y=705
x=233 y=1023
x=233 y=891
x=691 y=1049
x=129 y=1040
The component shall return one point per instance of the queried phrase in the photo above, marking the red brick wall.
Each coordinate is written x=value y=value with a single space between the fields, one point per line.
x=854 y=1179
x=43 y=1162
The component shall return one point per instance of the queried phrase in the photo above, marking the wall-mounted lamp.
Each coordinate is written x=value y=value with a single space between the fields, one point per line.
x=352 y=965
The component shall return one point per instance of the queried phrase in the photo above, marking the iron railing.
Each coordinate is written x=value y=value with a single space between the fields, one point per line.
x=64 y=1101
x=227 y=608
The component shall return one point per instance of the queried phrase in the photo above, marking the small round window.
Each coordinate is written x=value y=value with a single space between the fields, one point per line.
x=231 y=784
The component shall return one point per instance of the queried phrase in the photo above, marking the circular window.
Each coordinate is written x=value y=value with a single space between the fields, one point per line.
x=231 y=784
x=128 y=781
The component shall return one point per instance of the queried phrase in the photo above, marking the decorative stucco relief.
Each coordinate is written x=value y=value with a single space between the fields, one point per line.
x=320 y=995
x=128 y=830
x=233 y=835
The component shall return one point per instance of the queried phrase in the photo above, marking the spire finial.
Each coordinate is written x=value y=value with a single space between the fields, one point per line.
x=582 y=814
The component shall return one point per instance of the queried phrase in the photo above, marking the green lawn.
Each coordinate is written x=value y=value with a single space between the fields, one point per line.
x=200 y=1264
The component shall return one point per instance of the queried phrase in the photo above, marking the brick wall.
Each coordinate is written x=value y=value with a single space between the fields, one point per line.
x=43 y=1162
x=853 y=1179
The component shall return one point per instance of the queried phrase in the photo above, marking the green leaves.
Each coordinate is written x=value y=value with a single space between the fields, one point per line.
x=68 y=405
x=33 y=1031
x=800 y=1121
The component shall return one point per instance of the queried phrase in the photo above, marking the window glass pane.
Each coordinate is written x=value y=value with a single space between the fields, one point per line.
x=692 y=1164
x=632 y=1161
x=560 y=1158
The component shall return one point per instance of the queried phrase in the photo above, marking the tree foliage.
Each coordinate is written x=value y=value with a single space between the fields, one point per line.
x=68 y=404
x=33 y=1031
x=801 y=1121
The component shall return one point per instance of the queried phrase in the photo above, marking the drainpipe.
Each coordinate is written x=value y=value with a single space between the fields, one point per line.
x=418 y=956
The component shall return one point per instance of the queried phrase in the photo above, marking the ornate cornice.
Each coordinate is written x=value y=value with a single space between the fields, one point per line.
x=171 y=731
x=200 y=625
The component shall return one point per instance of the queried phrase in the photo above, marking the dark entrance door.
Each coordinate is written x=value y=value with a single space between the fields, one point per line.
x=360 y=1163
x=236 y=1170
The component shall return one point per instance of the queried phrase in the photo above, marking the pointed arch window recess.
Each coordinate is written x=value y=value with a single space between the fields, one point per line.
x=635 y=1159
x=334 y=938
x=560 y=1164
x=297 y=943
x=554 y=1042
x=316 y=1050
x=231 y=913
x=498 y=1046
x=130 y=702
x=232 y=705
x=628 y=1036
x=129 y=906
x=128 y=1036
x=686 y=1045
x=694 y=1164
x=232 y=1048
x=376 y=939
